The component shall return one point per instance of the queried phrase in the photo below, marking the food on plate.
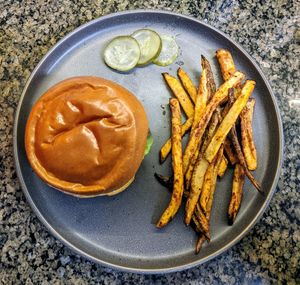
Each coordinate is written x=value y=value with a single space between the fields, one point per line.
x=196 y=135
x=82 y=134
x=223 y=166
x=214 y=142
x=248 y=145
x=177 y=193
x=195 y=187
x=237 y=192
x=200 y=105
x=180 y=94
x=230 y=152
x=150 y=45
x=226 y=62
x=169 y=51
x=209 y=182
x=166 y=148
x=143 y=46
x=235 y=141
x=122 y=53
x=229 y=120
x=187 y=83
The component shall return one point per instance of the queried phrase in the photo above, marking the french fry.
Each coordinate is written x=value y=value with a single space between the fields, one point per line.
x=189 y=172
x=235 y=141
x=199 y=243
x=202 y=238
x=211 y=85
x=237 y=192
x=198 y=221
x=203 y=222
x=229 y=120
x=226 y=63
x=201 y=100
x=209 y=183
x=210 y=201
x=196 y=135
x=200 y=105
x=177 y=194
x=240 y=155
x=227 y=68
x=248 y=145
x=223 y=166
x=180 y=94
x=209 y=132
x=196 y=186
x=229 y=152
x=166 y=148
x=187 y=84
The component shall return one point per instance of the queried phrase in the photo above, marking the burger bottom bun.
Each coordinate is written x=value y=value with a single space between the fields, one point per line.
x=112 y=193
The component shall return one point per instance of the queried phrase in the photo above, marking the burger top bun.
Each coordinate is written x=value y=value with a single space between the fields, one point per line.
x=86 y=136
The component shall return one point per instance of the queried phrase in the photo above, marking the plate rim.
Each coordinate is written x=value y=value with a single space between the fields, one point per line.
x=128 y=268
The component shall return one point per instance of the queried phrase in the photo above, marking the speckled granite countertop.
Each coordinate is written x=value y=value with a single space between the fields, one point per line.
x=270 y=253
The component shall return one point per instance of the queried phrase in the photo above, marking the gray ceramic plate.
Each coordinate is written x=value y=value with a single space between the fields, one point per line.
x=119 y=231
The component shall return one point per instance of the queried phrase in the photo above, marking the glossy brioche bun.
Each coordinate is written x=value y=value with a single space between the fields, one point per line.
x=86 y=136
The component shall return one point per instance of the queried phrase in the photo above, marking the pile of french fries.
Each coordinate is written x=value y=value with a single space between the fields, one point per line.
x=220 y=125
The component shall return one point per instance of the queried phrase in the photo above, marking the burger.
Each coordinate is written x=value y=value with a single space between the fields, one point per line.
x=87 y=136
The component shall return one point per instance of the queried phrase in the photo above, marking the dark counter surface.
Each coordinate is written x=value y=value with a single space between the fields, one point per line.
x=270 y=253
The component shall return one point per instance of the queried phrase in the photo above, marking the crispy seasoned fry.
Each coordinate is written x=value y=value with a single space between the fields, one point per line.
x=199 y=243
x=226 y=63
x=168 y=183
x=187 y=84
x=241 y=158
x=211 y=85
x=196 y=135
x=209 y=183
x=235 y=141
x=203 y=222
x=201 y=99
x=196 y=186
x=189 y=172
x=229 y=120
x=166 y=148
x=237 y=192
x=200 y=105
x=210 y=201
x=223 y=166
x=180 y=94
x=209 y=132
x=213 y=187
x=248 y=145
x=177 y=194
x=229 y=152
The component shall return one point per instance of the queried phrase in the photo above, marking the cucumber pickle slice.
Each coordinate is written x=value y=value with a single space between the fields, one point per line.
x=169 y=51
x=122 y=53
x=150 y=45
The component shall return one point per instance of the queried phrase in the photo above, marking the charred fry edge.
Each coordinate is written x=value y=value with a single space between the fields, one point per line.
x=223 y=166
x=248 y=144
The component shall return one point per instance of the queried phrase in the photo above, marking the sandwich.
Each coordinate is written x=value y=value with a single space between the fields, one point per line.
x=86 y=136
